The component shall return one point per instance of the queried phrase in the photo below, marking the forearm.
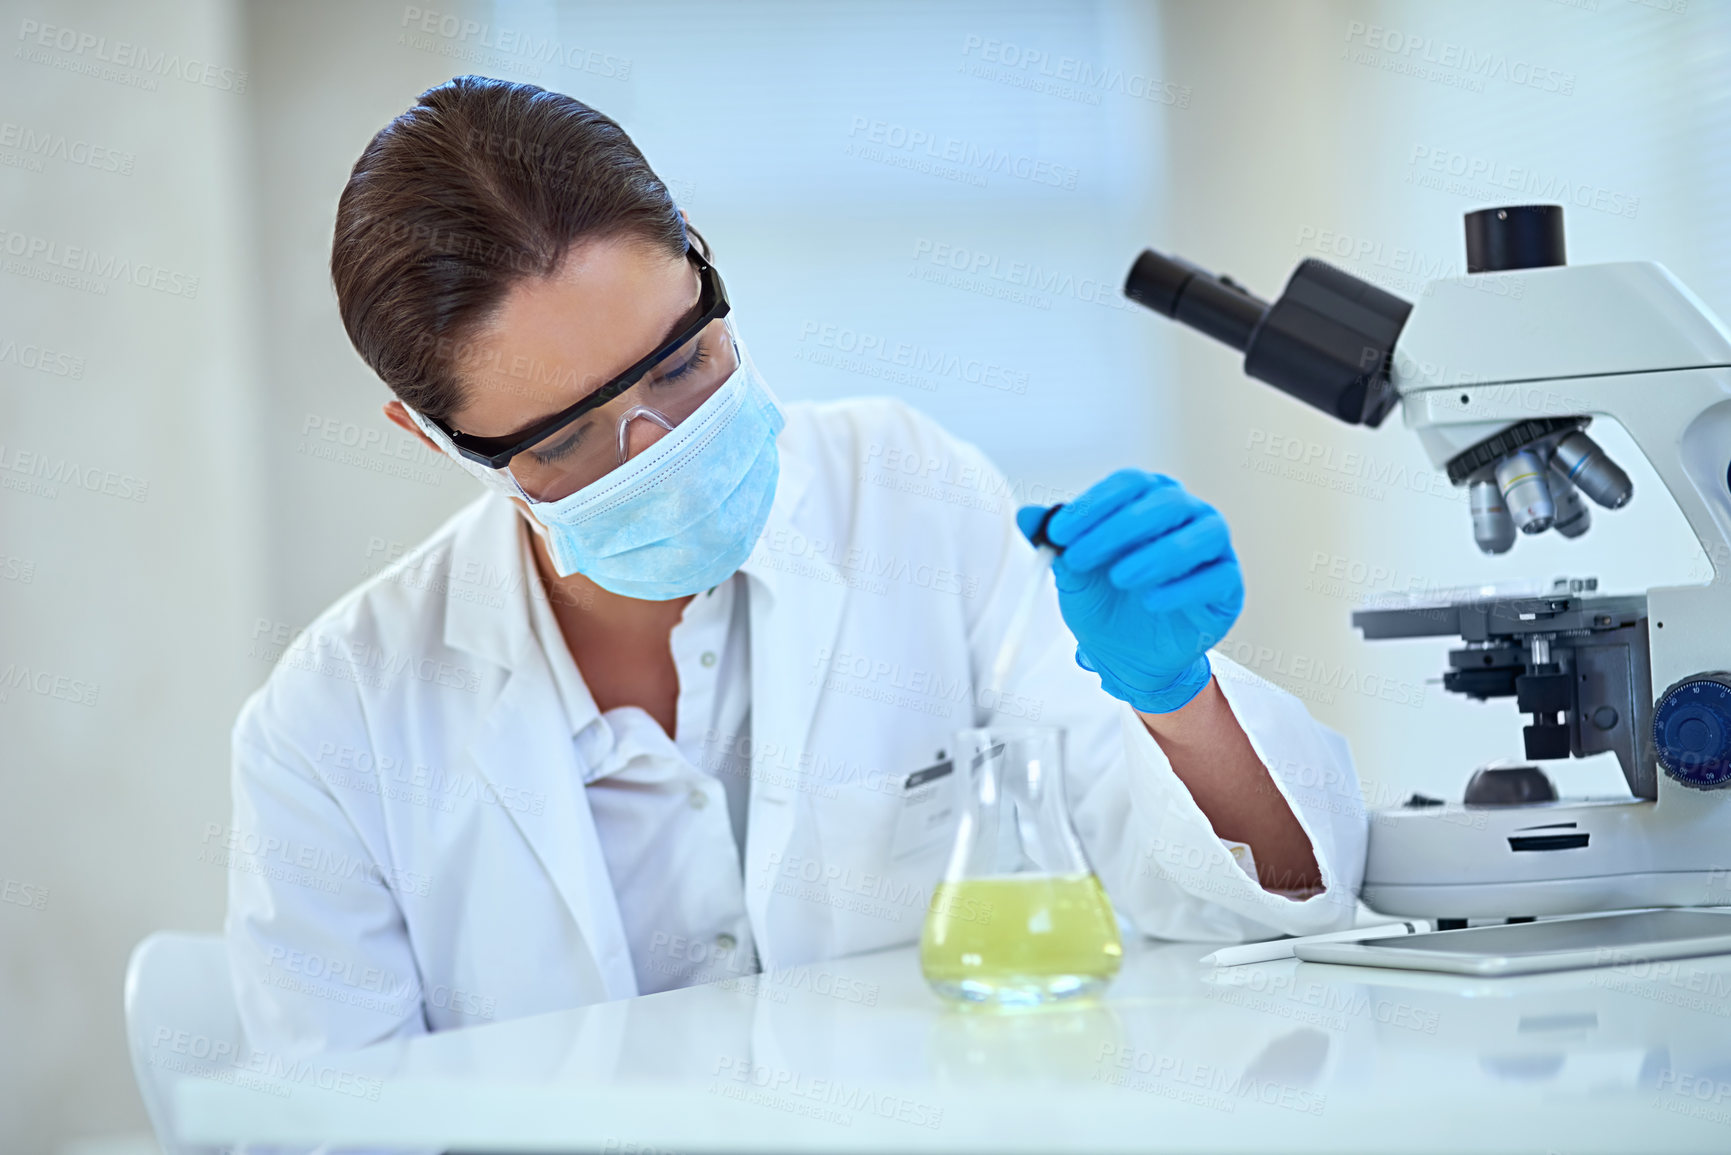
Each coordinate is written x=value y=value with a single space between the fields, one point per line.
x=1211 y=755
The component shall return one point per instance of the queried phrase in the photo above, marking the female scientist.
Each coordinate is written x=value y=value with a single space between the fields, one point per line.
x=651 y=710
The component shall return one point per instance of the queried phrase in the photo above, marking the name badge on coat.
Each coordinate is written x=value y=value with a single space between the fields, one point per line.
x=927 y=818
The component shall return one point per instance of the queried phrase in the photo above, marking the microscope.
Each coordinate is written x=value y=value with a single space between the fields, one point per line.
x=1500 y=372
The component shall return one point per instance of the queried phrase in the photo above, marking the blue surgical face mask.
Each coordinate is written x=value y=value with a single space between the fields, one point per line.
x=679 y=517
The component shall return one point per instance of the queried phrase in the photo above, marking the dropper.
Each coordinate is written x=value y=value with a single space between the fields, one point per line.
x=1014 y=634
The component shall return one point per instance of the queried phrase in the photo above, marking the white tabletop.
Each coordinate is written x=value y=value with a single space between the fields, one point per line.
x=857 y=1055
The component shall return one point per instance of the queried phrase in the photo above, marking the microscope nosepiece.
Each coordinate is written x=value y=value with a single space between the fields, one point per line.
x=1493 y=528
x=1579 y=458
x=1521 y=478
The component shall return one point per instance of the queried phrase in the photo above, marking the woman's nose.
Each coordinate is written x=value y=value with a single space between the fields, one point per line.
x=640 y=434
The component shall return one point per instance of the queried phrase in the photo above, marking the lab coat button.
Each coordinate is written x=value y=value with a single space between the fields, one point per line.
x=708 y=658
x=698 y=799
x=725 y=941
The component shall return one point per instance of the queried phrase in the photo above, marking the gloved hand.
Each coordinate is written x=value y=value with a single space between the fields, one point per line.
x=1147 y=581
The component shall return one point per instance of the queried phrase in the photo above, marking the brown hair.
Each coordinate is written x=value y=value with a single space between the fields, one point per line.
x=481 y=184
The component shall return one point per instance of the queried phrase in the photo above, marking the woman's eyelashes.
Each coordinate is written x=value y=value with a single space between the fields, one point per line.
x=550 y=454
x=699 y=355
x=567 y=444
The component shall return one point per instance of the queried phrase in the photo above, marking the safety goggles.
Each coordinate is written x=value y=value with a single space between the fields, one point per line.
x=584 y=442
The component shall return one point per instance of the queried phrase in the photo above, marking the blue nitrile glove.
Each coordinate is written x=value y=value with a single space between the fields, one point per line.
x=1147 y=581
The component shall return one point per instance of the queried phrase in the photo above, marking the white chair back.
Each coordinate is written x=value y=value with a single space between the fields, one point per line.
x=180 y=1021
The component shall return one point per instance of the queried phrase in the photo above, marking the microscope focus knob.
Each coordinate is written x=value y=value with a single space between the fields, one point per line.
x=1692 y=731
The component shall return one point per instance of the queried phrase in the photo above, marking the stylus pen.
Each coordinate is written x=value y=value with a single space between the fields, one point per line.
x=1255 y=952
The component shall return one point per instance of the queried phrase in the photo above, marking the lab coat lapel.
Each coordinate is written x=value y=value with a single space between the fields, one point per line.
x=797 y=599
x=523 y=748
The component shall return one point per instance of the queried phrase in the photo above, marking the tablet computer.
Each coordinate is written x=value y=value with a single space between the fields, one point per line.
x=1551 y=945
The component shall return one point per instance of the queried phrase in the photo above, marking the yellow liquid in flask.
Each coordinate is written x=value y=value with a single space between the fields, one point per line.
x=1020 y=939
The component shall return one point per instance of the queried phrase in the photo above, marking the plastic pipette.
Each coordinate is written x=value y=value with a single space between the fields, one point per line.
x=1011 y=646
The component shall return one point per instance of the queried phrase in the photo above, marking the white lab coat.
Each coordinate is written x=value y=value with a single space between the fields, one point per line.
x=412 y=848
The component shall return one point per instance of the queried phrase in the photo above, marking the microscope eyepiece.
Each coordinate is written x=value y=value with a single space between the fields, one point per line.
x=1175 y=288
x=1326 y=340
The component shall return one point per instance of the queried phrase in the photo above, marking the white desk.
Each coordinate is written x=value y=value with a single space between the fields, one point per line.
x=856 y=1055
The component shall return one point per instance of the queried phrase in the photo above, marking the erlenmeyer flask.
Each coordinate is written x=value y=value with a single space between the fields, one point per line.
x=1019 y=917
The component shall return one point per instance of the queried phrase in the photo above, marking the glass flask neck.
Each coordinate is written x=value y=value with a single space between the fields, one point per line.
x=1015 y=818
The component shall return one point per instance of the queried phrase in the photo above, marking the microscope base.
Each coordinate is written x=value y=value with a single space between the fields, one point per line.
x=1501 y=900
x=1572 y=856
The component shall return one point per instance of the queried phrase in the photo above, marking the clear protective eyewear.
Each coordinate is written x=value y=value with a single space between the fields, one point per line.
x=581 y=444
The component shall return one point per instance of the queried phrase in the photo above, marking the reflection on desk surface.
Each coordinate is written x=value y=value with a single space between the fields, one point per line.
x=1304 y=1027
x=1271 y=1046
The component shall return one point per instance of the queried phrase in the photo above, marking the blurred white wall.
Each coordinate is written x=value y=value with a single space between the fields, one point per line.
x=808 y=141
x=130 y=522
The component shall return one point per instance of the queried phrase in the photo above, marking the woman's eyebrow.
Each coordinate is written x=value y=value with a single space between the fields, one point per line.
x=673 y=330
x=680 y=324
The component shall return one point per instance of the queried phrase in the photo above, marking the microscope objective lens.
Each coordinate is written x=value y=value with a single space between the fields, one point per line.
x=1573 y=516
x=1579 y=458
x=1521 y=478
x=1493 y=528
